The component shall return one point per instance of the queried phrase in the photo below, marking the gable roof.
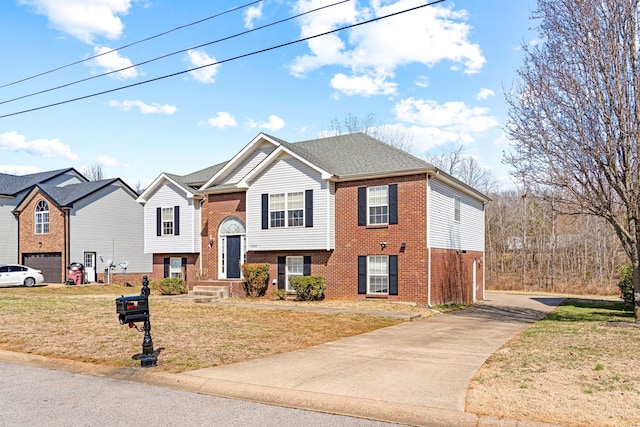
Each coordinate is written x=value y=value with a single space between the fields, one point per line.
x=10 y=185
x=66 y=196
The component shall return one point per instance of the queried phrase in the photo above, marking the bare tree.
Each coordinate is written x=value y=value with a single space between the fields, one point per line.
x=392 y=135
x=466 y=168
x=93 y=172
x=575 y=115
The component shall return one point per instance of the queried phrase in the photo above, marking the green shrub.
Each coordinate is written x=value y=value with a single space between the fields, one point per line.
x=309 y=288
x=626 y=283
x=279 y=294
x=171 y=286
x=256 y=279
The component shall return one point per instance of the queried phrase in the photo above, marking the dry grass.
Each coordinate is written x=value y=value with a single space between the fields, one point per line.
x=580 y=366
x=80 y=323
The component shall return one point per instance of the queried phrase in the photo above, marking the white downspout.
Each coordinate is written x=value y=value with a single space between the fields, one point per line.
x=429 y=241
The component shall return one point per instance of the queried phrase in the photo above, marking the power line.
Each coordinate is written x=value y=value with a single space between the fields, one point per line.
x=129 y=45
x=171 y=54
x=223 y=61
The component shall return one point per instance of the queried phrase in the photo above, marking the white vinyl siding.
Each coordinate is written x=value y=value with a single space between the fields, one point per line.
x=108 y=223
x=8 y=231
x=445 y=232
x=169 y=195
x=289 y=175
x=248 y=164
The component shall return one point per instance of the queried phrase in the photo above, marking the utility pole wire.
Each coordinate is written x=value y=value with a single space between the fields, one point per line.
x=127 y=45
x=171 y=54
x=223 y=61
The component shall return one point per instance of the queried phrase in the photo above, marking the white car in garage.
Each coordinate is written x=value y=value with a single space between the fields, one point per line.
x=16 y=274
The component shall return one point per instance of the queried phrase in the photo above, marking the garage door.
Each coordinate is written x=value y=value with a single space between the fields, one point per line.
x=50 y=265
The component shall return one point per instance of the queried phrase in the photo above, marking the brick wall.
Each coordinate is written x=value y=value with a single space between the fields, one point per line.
x=216 y=209
x=53 y=241
x=192 y=271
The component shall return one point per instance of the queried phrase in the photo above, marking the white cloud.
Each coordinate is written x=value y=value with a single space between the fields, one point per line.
x=12 y=141
x=274 y=123
x=112 y=61
x=199 y=58
x=19 y=169
x=222 y=120
x=144 y=108
x=434 y=124
x=253 y=13
x=365 y=85
x=484 y=94
x=83 y=19
x=109 y=161
x=427 y=36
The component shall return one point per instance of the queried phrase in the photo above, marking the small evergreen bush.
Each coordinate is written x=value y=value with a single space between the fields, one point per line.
x=626 y=283
x=256 y=279
x=171 y=286
x=309 y=288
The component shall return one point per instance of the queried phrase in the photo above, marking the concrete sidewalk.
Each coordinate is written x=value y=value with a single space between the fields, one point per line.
x=413 y=373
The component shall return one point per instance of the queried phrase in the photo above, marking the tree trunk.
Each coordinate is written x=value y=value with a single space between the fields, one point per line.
x=636 y=292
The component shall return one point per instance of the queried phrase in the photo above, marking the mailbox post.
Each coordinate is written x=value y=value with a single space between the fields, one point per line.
x=135 y=308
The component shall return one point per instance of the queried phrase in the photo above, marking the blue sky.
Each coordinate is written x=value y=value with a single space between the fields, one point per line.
x=436 y=74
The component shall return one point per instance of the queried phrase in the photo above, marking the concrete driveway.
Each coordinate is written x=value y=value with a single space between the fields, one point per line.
x=413 y=373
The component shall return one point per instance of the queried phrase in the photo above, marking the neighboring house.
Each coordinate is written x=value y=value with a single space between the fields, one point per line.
x=95 y=223
x=13 y=188
x=374 y=221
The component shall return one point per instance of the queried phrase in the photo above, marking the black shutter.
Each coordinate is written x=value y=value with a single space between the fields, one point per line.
x=362 y=274
x=176 y=220
x=362 y=205
x=306 y=266
x=282 y=261
x=265 y=211
x=308 y=208
x=159 y=222
x=393 y=274
x=393 y=203
x=166 y=267
x=184 y=269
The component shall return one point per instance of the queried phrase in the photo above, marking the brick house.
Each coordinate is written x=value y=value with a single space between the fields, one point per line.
x=374 y=221
x=81 y=221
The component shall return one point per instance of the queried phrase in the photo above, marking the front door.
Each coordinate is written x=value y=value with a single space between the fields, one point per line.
x=90 y=266
x=233 y=257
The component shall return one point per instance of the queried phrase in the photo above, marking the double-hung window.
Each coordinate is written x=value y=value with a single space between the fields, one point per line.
x=286 y=210
x=167 y=221
x=295 y=268
x=276 y=210
x=175 y=268
x=378 y=203
x=378 y=274
x=42 y=217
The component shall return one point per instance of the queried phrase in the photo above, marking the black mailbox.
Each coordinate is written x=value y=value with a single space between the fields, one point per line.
x=132 y=309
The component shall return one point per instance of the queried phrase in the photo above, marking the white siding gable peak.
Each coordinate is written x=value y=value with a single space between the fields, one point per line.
x=239 y=158
x=159 y=182
x=244 y=183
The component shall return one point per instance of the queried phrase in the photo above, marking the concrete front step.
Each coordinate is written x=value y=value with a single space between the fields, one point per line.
x=203 y=294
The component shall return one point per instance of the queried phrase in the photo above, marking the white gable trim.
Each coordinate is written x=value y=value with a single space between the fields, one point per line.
x=238 y=158
x=157 y=183
x=271 y=158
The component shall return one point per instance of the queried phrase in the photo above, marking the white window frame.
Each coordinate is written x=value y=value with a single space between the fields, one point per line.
x=286 y=210
x=377 y=276
x=294 y=268
x=41 y=217
x=377 y=208
x=168 y=226
x=175 y=272
x=456 y=208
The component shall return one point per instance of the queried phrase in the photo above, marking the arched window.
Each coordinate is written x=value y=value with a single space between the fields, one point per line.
x=42 y=217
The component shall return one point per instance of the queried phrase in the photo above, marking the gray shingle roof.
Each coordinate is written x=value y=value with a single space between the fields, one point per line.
x=67 y=195
x=10 y=185
x=356 y=154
